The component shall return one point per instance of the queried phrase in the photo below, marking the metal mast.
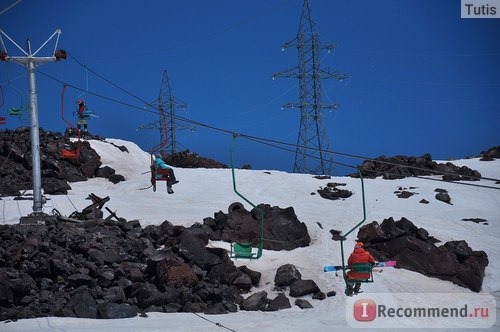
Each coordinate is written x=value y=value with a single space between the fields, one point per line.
x=30 y=61
x=312 y=144
x=166 y=103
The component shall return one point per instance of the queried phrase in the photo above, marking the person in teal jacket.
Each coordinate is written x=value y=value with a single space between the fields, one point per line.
x=160 y=164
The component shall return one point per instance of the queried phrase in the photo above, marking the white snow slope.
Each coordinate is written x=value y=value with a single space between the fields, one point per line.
x=202 y=192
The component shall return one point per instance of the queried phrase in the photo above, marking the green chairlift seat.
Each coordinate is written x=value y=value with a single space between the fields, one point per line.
x=361 y=268
x=242 y=250
x=15 y=111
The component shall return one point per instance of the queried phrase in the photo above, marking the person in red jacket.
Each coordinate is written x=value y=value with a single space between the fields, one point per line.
x=359 y=255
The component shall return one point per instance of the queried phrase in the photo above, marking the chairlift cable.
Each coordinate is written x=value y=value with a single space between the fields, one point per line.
x=265 y=140
x=86 y=81
x=218 y=324
x=109 y=81
x=76 y=209
x=3 y=97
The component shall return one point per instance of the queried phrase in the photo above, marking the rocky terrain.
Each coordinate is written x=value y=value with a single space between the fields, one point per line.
x=414 y=249
x=58 y=172
x=89 y=267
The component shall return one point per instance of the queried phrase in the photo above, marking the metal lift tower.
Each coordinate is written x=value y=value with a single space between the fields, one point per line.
x=30 y=61
x=166 y=103
x=311 y=154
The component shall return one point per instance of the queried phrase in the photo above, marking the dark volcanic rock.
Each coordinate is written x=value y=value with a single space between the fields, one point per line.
x=111 y=269
x=443 y=196
x=414 y=249
x=58 y=172
x=399 y=167
x=255 y=302
x=331 y=191
x=286 y=275
x=15 y=154
x=278 y=303
x=187 y=159
x=490 y=154
x=282 y=228
x=303 y=287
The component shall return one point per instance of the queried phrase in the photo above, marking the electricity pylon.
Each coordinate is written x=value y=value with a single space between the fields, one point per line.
x=311 y=154
x=166 y=103
x=31 y=61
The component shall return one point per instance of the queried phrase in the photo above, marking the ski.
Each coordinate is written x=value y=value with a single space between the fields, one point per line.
x=330 y=268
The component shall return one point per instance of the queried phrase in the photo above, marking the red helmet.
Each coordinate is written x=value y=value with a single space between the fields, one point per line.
x=80 y=101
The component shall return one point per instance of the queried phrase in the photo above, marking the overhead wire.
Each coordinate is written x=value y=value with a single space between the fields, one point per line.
x=108 y=81
x=425 y=100
x=266 y=140
x=215 y=323
x=388 y=172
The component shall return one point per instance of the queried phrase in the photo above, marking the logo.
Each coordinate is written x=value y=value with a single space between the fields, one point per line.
x=480 y=8
x=364 y=310
x=411 y=310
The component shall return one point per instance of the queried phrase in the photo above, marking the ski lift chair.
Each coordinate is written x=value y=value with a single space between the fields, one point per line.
x=14 y=111
x=68 y=152
x=242 y=250
x=365 y=268
x=163 y=174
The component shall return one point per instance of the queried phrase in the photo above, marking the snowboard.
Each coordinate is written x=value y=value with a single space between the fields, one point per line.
x=330 y=268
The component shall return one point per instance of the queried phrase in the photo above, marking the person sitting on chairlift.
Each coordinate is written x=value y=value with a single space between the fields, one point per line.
x=160 y=164
x=359 y=255
x=82 y=117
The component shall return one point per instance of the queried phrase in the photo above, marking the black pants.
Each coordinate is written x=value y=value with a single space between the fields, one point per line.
x=171 y=175
x=84 y=126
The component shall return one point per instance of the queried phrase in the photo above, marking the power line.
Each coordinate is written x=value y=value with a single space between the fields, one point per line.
x=100 y=95
x=110 y=82
x=279 y=144
x=9 y=7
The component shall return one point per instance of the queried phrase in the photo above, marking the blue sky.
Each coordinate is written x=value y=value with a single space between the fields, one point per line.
x=422 y=80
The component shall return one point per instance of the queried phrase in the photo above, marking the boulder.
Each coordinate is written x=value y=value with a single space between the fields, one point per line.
x=255 y=302
x=286 y=275
x=303 y=287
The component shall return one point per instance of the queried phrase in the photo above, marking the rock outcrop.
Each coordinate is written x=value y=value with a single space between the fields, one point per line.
x=414 y=249
x=281 y=227
x=57 y=172
x=399 y=167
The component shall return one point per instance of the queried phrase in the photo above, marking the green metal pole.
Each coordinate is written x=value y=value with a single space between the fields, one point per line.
x=357 y=225
x=261 y=212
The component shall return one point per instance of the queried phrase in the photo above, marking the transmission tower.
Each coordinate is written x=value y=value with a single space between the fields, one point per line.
x=166 y=103
x=311 y=154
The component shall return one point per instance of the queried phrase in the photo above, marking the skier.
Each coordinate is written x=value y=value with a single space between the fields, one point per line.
x=160 y=164
x=359 y=255
x=82 y=117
